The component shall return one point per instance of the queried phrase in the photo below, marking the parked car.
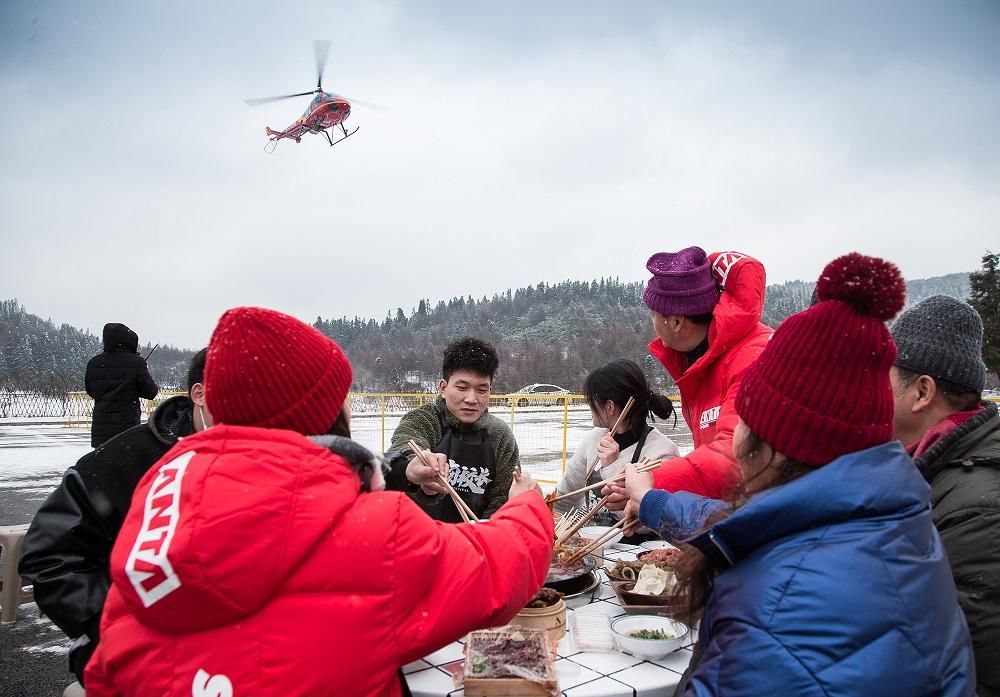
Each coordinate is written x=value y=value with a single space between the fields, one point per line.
x=542 y=391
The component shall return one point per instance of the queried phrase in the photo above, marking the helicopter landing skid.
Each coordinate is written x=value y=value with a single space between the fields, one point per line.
x=347 y=134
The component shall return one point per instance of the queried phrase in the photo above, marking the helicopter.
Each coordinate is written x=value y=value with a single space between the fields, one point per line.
x=325 y=112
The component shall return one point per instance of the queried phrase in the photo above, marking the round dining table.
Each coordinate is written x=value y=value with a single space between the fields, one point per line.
x=580 y=673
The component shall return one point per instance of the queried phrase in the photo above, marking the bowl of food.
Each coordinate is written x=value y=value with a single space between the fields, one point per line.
x=648 y=636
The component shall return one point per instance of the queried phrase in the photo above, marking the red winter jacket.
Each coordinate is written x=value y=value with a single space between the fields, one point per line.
x=250 y=564
x=709 y=387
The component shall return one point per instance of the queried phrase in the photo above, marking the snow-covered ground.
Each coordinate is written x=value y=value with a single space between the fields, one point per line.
x=33 y=456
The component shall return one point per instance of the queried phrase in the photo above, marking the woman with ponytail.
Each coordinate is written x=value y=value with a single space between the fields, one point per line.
x=825 y=575
x=607 y=390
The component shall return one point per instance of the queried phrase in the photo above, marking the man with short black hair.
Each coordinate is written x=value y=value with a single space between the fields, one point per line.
x=462 y=440
x=954 y=439
x=67 y=549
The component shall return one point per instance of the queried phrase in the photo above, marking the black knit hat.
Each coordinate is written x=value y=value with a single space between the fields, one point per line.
x=942 y=337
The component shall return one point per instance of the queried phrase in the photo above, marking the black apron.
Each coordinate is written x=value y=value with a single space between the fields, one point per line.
x=472 y=471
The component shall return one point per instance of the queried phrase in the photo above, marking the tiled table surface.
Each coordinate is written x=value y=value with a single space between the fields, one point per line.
x=580 y=674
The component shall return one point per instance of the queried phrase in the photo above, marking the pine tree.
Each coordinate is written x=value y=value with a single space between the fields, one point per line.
x=984 y=296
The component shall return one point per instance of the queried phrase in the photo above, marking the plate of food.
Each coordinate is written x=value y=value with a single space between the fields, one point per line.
x=652 y=586
x=664 y=557
x=628 y=569
x=509 y=660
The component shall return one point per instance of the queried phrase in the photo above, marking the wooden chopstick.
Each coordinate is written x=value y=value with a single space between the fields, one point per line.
x=614 y=429
x=583 y=521
x=599 y=542
x=463 y=508
x=650 y=465
x=566 y=521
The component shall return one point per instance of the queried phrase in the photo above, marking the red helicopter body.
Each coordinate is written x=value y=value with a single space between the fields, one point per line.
x=326 y=111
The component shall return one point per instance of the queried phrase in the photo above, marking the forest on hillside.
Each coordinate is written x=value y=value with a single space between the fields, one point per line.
x=550 y=333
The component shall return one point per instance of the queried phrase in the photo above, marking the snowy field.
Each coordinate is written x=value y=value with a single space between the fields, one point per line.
x=33 y=456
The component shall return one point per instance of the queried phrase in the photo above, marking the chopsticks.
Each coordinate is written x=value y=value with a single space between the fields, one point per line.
x=600 y=542
x=463 y=508
x=644 y=465
x=614 y=429
x=561 y=539
x=566 y=521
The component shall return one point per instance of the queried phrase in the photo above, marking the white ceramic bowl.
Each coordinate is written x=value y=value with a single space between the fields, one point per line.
x=593 y=532
x=648 y=648
x=657 y=544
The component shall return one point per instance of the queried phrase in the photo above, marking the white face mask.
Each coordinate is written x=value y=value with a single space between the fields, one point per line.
x=205 y=423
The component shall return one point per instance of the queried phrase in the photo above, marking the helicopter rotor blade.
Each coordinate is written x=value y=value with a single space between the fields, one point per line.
x=268 y=100
x=367 y=105
x=322 y=50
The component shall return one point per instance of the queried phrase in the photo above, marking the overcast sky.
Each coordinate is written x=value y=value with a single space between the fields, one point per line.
x=525 y=142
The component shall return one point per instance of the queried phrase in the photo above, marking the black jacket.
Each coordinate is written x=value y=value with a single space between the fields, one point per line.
x=963 y=469
x=67 y=549
x=116 y=378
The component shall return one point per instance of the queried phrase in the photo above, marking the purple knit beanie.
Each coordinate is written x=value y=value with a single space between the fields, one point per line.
x=682 y=283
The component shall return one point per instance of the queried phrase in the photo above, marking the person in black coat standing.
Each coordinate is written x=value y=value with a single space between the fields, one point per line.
x=116 y=378
x=67 y=549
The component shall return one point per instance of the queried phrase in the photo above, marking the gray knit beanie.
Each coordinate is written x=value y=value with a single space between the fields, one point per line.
x=942 y=337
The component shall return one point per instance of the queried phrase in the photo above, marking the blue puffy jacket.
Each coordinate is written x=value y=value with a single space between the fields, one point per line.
x=833 y=584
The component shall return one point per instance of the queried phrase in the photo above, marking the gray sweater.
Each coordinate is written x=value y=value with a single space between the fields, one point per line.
x=424 y=426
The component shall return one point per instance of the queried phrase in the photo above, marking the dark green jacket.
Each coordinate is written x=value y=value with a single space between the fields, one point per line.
x=963 y=469
x=424 y=426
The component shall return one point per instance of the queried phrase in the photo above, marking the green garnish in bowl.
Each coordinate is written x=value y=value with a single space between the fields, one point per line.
x=650 y=634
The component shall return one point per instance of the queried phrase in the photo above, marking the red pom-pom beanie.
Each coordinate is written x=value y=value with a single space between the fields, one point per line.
x=268 y=369
x=821 y=387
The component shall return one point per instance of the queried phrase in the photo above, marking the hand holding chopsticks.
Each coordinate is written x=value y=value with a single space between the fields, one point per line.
x=463 y=508
x=614 y=429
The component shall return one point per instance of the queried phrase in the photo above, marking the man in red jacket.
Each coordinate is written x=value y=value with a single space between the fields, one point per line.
x=255 y=561
x=706 y=312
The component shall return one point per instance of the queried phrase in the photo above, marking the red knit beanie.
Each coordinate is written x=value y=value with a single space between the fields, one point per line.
x=267 y=369
x=820 y=389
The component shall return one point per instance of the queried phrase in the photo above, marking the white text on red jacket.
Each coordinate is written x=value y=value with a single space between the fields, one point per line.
x=724 y=263
x=709 y=417
x=148 y=569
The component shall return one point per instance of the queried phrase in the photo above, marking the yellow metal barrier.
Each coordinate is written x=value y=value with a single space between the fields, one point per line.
x=544 y=425
x=547 y=427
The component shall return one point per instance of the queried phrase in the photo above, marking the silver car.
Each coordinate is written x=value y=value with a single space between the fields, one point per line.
x=536 y=395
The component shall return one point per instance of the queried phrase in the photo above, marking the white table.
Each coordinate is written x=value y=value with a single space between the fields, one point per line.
x=580 y=674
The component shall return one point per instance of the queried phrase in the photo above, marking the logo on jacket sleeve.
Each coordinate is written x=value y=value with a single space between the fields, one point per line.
x=709 y=417
x=148 y=569
x=205 y=685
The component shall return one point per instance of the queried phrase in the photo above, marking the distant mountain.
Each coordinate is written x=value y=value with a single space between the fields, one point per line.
x=554 y=333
